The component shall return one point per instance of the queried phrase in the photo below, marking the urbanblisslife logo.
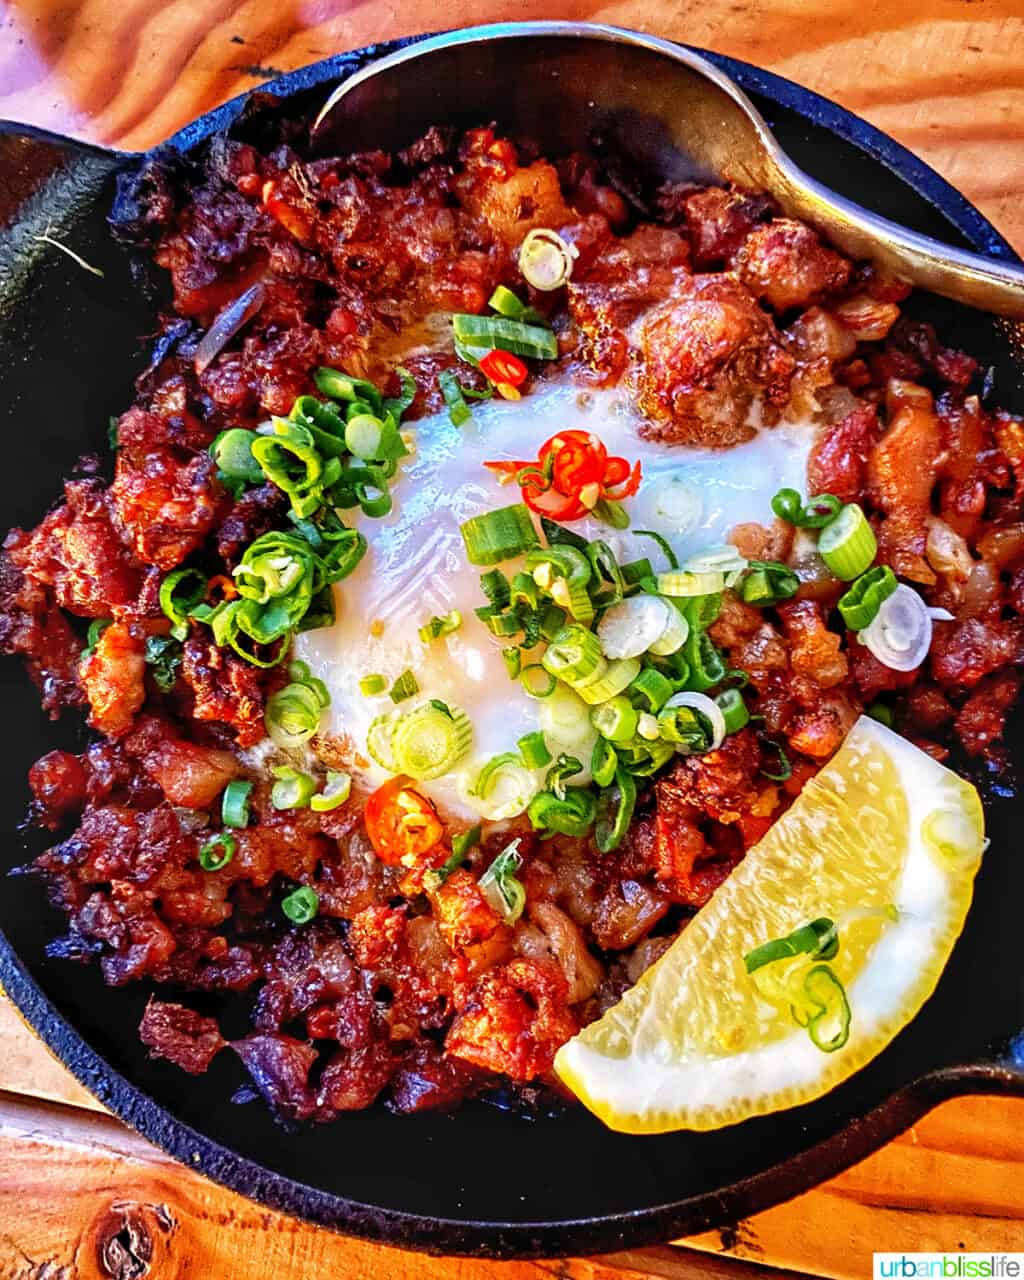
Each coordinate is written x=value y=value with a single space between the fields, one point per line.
x=948 y=1266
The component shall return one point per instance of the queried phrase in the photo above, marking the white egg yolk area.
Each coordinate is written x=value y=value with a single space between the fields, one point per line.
x=416 y=565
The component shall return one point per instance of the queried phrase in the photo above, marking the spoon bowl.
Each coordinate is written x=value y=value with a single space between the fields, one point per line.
x=662 y=111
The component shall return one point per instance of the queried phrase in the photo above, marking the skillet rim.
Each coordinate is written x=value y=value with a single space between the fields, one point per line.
x=497 y=1239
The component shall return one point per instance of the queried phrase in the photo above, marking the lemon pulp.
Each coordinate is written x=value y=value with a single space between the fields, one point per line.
x=885 y=841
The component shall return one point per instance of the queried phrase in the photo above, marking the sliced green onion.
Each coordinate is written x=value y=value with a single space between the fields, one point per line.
x=464 y=841
x=631 y=627
x=847 y=543
x=560 y=535
x=551 y=622
x=650 y=690
x=508 y=304
x=716 y=560
x=637 y=573
x=818 y=939
x=503 y=788
x=615 y=807
x=768 y=583
x=536 y=681
x=429 y=741
x=397 y=405
x=488 y=333
x=179 y=594
x=572 y=816
x=860 y=604
x=405 y=686
x=438 y=627
x=95 y=630
x=785 y=769
x=337 y=790
x=683 y=583
x=340 y=386
x=647 y=727
x=500 y=887
x=734 y=709
x=565 y=718
x=232 y=452
x=643 y=759
x=372 y=685
x=217 y=852
x=454 y=395
x=534 y=751
x=363 y=436
x=557 y=777
x=496 y=588
x=706 y=666
x=787 y=505
x=513 y=660
x=293 y=789
x=615 y=719
x=545 y=259
x=693 y=722
x=883 y=714
x=612 y=513
x=829 y=1025
x=499 y=535
x=292 y=716
x=574 y=655
x=378 y=741
x=701 y=611
x=301 y=906
x=673 y=637
x=617 y=676
x=163 y=656
x=234 y=803
x=663 y=543
x=603 y=762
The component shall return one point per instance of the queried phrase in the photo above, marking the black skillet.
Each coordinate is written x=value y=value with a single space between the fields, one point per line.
x=481 y=1181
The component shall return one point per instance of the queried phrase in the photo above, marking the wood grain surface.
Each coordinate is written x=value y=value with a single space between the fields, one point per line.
x=946 y=77
x=80 y=1196
x=73 y=1180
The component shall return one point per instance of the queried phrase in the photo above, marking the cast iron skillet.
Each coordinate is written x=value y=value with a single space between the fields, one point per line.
x=482 y=1181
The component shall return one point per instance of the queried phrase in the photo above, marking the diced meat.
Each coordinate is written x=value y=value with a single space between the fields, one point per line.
x=707 y=353
x=77 y=552
x=463 y=914
x=225 y=689
x=182 y=1036
x=963 y=652
x=113 y=677
x=279 y=1066
x=814 y=649
x=58 y=784
x=838 y=461
x=515 y=1020
x=786 y=265
x=723 y=783
x=980 y=721
x=164 y=507
x=902 y=472
x=718 y=222
x=190 y=775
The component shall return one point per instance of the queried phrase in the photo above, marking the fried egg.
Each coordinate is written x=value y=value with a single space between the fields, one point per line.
x=416 y=564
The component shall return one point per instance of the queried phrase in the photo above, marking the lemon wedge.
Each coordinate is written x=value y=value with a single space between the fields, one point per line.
x=885 y=842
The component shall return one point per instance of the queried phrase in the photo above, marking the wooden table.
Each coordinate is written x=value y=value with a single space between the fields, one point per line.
x=80 y=1196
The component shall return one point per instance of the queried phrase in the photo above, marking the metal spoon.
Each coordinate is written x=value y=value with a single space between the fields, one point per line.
x=574 y=85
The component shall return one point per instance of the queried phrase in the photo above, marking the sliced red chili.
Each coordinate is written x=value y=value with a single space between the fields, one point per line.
x=503 y=367
x=615 y=490
x=554 y=505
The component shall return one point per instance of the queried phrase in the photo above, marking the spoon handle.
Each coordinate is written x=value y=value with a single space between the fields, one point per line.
x=989 y=284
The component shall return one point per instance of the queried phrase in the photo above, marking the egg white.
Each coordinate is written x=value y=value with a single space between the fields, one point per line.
x=416 y=564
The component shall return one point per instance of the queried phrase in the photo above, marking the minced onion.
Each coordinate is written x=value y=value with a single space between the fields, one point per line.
x=227 y=324
x=708 y=708
x=900 y=634
x=546 y=260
